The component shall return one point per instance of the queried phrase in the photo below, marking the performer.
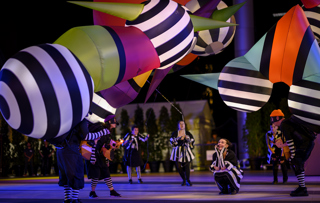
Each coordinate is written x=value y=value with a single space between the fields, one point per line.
x=276 y=154
x=182 y=142
x=28 y=160
x=300 y=138
x=98 y=165
x=226 y=172
x=70 y=161
x=46 y=152
x=132 y=154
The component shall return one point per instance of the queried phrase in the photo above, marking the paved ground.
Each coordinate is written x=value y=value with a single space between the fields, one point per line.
x=159 y=187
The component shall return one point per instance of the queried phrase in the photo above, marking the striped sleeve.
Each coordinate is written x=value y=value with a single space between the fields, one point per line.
x=126 y=139
x=96 y=135
x=290 y=144
x=142 y=138
x=231 y=160
x=173 y=139
x=191 y=142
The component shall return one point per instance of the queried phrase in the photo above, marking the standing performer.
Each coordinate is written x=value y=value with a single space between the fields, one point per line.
x=226 y=172
x=276 y=154
x=300 y=138
x=182 y=142
x=132 y=154
x=98 y=165
x=46 y=152
x=70 y=161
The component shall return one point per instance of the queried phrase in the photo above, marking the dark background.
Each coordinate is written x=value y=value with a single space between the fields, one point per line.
x=27 y=23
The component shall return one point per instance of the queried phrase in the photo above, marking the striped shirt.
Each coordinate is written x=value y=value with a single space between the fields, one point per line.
x=181 y=151
x=134 y=144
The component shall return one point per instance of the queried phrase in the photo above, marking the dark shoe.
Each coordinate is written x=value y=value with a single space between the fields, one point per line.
x=223 y=192
x=93 y=194
x=188 y=183
x=233 y=192
x=114 y=193
x=183 y=183
x=300 y=191
x=285 y=182
x=130 y=181
x=274 y=182
x=67 y=201
x=140 y=181
x=76 y=201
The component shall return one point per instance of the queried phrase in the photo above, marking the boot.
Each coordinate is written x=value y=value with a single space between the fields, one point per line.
x=130 y=181
x=76 y=201
x=183 y=183
x=300 y=191
x=140 y=181
x=114 y=193
x=285 y=180
x=93 y=194
x=274 y=182
x=188 y=183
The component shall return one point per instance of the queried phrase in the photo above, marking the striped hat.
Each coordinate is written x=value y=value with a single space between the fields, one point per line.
x=44 y=91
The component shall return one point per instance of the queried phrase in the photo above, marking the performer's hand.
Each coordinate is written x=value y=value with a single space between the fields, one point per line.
x=216 y=168
x=96 y=141
x=279 y=143
x=281 y=162
x=224 y=168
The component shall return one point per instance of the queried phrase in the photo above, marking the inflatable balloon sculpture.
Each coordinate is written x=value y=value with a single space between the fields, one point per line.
x=209 y=42
x=312 y=15
x=46 y=90
x=287 y=53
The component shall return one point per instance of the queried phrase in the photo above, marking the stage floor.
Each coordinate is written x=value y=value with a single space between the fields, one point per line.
x=159 y=187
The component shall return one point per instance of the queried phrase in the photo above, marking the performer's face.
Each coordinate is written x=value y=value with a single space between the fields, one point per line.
x=135 y=131
x=113 y=125
x=222 y=144
x=181 y=125
x=274 y=128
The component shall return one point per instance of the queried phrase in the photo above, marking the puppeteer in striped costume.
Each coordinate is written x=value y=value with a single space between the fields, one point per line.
x=132 y=152
x=182 y=142
x=276 y=155
x=70 y=161
x=300 y=137
x=226 y=172
x=98 y=165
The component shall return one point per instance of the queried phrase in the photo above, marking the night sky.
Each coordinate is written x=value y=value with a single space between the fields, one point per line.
x=27 y=23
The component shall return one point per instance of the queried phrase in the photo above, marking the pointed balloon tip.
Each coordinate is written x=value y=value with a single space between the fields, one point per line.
x=200 y=23
x=125 y=11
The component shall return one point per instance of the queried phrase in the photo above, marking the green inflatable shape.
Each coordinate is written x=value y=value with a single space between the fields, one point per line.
x=208 y=79
x=122 y=10
x=201 y=23
x=226 y=13
x=96 y=49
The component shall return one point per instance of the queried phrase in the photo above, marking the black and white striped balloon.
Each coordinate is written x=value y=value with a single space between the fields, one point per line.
x=100 y=109
x=214 y=41
x=313 y=16
x=304 y=101
x=169 y=28
x=242 y=87
x=44 y=91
